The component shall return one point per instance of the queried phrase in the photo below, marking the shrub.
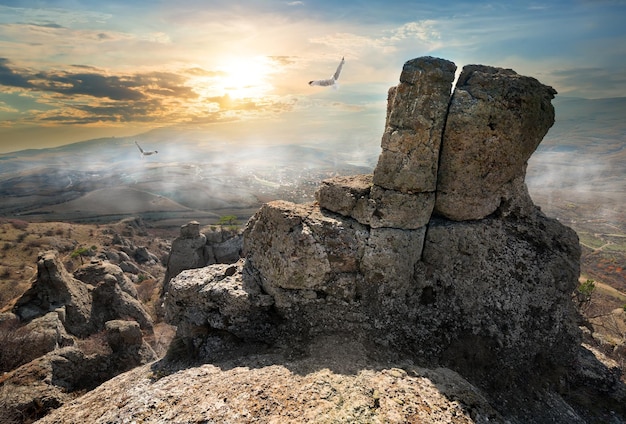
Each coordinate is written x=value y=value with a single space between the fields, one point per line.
x=82 y=251
x=228 y=220
x=584 y=292
x=18 y=224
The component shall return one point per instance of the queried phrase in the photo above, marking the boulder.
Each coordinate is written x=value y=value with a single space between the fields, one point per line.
x=51 y=331
x=111 y=302
x=346 y=195
x=97 y=271
x=302 y=249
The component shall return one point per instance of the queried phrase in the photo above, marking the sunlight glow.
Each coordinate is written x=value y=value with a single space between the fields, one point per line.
x=240 y=78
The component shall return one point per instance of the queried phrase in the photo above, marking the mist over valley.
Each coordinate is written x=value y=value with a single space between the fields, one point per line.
x=578 y=175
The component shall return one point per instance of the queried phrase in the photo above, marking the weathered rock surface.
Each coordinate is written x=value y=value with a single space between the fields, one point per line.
x=402 y=189
x=51 y=380
x=97 y=271
x=195 y=249
x=416 y=114
x=496 y=120
x=87 y=305
x=54 y=288
x=188 y=251
x=269 y=389
x=51 y=329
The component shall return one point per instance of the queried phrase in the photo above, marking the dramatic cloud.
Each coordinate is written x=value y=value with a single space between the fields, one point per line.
x=91 y=96
x=123 y=64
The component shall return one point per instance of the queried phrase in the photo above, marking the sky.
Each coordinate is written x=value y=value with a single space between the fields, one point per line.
x=75 y=70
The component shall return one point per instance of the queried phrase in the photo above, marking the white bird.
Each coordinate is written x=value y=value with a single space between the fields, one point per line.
x=144 y=153
x=332 y=81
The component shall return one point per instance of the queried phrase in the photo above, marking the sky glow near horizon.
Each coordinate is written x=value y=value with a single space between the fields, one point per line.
x=73 y=70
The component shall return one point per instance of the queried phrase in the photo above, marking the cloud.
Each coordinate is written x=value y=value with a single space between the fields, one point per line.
x=88 y=95
x=591 y=82
x=11 y=78
x=283 y=60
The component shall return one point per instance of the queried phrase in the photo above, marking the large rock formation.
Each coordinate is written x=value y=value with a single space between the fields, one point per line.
x=439 y=258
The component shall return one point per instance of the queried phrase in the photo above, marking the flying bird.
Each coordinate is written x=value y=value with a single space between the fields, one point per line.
x=144 y=153
x=332 y=81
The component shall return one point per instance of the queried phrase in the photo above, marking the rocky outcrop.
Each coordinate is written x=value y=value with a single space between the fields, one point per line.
x=496 y=120
x=268 y=389
x=105 y=294
x=87 y=331
x=55 y=288
x=402 y=189
x=32 y=390
x=440 y=256
x=195 y=249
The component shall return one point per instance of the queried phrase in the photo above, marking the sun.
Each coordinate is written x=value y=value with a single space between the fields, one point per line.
x=245 y=78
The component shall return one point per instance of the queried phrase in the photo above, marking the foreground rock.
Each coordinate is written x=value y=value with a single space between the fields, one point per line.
x=341 y=386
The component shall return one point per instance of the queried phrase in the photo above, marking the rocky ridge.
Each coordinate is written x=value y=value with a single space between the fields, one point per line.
x=437 y=269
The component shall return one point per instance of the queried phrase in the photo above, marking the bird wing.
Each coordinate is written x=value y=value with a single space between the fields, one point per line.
x=139 y=147
x=323 y=83
x=338 y=71
x=332 y=80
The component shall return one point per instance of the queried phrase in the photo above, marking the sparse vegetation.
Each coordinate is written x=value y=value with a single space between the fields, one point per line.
x=228 y=220
x=584 y=292
x=18 y=224
x=80 y=253
x=18 y=345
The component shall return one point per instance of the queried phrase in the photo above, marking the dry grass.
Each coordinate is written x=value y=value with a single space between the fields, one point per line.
x=95 y=344
x=21 y=242
x=19 y=346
